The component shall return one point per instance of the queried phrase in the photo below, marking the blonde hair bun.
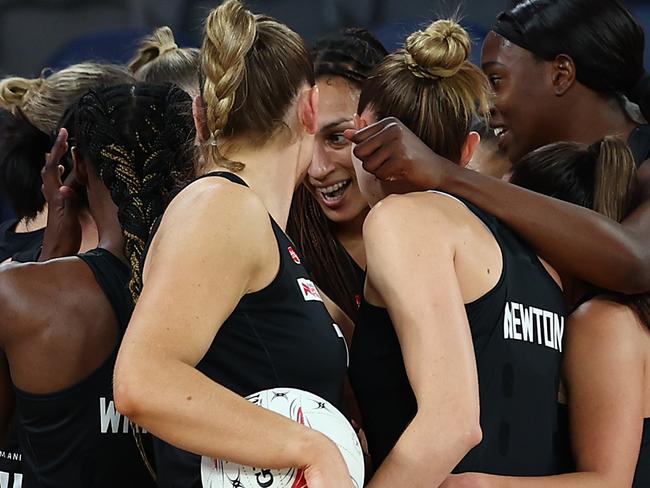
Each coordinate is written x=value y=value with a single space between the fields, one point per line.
x=14 y=92
x=159 y=43
x=439 y=51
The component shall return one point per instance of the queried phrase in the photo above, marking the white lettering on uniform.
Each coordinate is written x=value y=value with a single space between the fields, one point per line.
x=527 y=323
x=109 y=415
x=507 y=322
x=4 y=480
x=523 y=323
x=516 y=321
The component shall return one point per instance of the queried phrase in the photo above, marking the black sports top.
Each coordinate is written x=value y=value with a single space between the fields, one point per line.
x=75 y=438
x=517 y=330
x=20 y=246
x=639 y=142
x=359 y=279
x=642 y=475
x=280 y=336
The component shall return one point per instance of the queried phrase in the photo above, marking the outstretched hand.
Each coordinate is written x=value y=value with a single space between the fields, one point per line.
x=389 y=150
x=63 y=232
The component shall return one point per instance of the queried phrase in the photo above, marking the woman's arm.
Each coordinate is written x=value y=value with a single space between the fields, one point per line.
x=604 y=375
x=211 y=249
x=410 y=253
x=574 y=239
x=6 y=400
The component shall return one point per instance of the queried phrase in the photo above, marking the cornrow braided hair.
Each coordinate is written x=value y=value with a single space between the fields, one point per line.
x=139 y=140
x=352 y=55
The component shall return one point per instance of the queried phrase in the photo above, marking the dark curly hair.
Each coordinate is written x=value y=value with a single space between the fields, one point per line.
x=138 y=138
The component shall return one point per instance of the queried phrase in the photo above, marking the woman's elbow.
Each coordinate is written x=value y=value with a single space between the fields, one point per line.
x=128 y=391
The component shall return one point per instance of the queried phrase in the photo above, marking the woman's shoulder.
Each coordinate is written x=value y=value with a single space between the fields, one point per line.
x=205 y=197
x=603 y=322
x=433 y=209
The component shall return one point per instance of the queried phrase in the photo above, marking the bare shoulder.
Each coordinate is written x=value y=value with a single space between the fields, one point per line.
x=214 y=224
x=418 y=210
x=602 y=323
x=209 y=198
x=31 y=291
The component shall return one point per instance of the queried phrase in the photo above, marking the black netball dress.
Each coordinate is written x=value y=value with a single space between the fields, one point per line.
x=75 y=438
x=20 y=246
x=281 y=336
x=517 y=330
x=639 y=142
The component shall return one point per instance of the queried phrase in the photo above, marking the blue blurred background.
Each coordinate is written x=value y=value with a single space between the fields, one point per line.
x=35 y=34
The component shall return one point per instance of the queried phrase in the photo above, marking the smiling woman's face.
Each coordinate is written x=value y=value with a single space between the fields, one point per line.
x=525 y=111
x=331 y=176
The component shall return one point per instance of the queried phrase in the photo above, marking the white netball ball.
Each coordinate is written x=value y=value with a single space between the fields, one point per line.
x=307 y=409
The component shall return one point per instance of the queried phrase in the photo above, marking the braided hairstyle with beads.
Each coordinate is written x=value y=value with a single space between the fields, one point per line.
x=138 y=139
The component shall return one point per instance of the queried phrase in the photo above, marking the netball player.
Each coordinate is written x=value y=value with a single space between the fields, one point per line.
x=328 y=211
x=160 y=60
x=32 y=109
x=559 y=69
x=130 y=142
x=227 y=309
x=447 y=289
x=608 y=336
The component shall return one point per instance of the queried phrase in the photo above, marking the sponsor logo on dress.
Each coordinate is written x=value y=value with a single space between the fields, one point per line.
x=294 y=255
x=309 y=290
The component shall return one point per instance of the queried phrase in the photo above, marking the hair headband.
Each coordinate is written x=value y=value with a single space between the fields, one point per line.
x=509 y=29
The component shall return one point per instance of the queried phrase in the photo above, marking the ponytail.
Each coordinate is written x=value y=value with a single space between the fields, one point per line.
x=157 y=45
x=601 y=177
x=160 y=60
x=15 y=92
x=614 y=178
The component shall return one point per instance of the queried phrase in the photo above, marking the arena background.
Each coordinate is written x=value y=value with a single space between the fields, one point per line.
x=54 y=33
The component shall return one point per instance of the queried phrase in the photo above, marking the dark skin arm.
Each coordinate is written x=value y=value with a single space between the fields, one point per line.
x=576 y=240
x=6 y=400
x=63 y=232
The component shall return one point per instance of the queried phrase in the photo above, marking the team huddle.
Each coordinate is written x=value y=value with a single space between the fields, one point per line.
x=256 y=264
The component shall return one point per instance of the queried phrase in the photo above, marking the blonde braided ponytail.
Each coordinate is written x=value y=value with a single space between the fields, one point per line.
x=230 y=33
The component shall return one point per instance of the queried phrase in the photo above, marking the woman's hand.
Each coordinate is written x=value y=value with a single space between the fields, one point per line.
x=327 y=469
x=63 y=232
x=390 y=151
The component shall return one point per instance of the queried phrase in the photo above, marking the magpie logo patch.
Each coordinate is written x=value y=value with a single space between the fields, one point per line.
x=309 y=290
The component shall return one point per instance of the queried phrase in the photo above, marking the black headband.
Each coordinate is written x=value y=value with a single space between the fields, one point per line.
x=508 y=28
